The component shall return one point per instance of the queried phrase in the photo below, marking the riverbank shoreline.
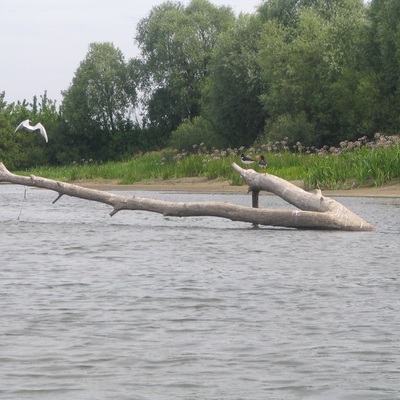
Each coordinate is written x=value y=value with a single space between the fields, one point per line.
x=204 y=185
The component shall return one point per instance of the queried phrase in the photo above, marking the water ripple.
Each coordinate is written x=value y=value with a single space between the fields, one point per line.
x=143 y=307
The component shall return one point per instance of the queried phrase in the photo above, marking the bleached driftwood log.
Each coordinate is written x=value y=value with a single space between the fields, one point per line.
x=316 y=211
x=320 y=212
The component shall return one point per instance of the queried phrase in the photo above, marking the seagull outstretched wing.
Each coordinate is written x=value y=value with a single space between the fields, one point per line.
x=42 y=131
x=26 y=124
x=23 y=124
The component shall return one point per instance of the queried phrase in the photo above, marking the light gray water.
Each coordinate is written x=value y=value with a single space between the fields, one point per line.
x=139 y=306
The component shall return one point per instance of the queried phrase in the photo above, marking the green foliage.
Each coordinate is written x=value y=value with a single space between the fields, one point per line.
x=292 y=129
x=355 y=100
x=307 y=69
x=292 y=68
x=27 y=149
x=6 y=133
x=383 y=56
x=315 y=72
x=287 y=11
x=231 y=96
x=359 y=163
x=176 y=43
x=104 y=85
x=370 y=165
x=192 y=133
x=98 y=105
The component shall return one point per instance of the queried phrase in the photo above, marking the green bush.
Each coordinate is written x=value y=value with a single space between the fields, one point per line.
x=192 y=133
x=292 y=129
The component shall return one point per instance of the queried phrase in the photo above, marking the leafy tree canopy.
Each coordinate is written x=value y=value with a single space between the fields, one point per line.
x=176 y=44
x=303 y=68
x=99 y=103
x=103 y=91
x=231 y=98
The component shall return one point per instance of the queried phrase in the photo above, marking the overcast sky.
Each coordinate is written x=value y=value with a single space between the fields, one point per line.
x=42 y=42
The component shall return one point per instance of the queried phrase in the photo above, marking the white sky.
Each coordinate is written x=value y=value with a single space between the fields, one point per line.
x=42 y=42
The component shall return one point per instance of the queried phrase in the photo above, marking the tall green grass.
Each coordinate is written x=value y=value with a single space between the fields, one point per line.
x=363 y=166
x=366 y=166
x=163 y=166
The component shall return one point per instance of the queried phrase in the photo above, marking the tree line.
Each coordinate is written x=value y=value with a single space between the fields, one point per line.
x=311 y=71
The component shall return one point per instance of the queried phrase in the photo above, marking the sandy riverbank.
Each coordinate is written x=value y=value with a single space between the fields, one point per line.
x=204 y=185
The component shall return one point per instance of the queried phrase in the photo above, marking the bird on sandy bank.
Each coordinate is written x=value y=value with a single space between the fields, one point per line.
x=262 y=163
x=26 y=124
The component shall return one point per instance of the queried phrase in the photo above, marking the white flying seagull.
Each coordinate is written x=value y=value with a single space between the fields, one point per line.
x=27 y=125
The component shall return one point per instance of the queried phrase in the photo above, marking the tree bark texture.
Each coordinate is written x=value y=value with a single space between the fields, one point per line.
x=315 y=211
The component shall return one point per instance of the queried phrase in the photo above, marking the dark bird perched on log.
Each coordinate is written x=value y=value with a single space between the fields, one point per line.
x=31 y=128
x=262 y=163
x=247 y=160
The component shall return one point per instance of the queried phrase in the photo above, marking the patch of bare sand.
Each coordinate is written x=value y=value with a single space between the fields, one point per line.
x=204 y=185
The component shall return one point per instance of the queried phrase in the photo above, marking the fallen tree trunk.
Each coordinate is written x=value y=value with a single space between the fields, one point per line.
x=316 y=211
x=313 y=203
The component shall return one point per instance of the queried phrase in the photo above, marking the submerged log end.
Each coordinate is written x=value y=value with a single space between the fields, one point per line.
x=114 y=211
x=58 y=197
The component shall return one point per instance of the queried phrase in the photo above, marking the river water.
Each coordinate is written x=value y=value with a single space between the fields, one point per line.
x=139 y=306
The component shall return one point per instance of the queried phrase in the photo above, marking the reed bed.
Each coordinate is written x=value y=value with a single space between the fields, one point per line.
x=359 y=163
